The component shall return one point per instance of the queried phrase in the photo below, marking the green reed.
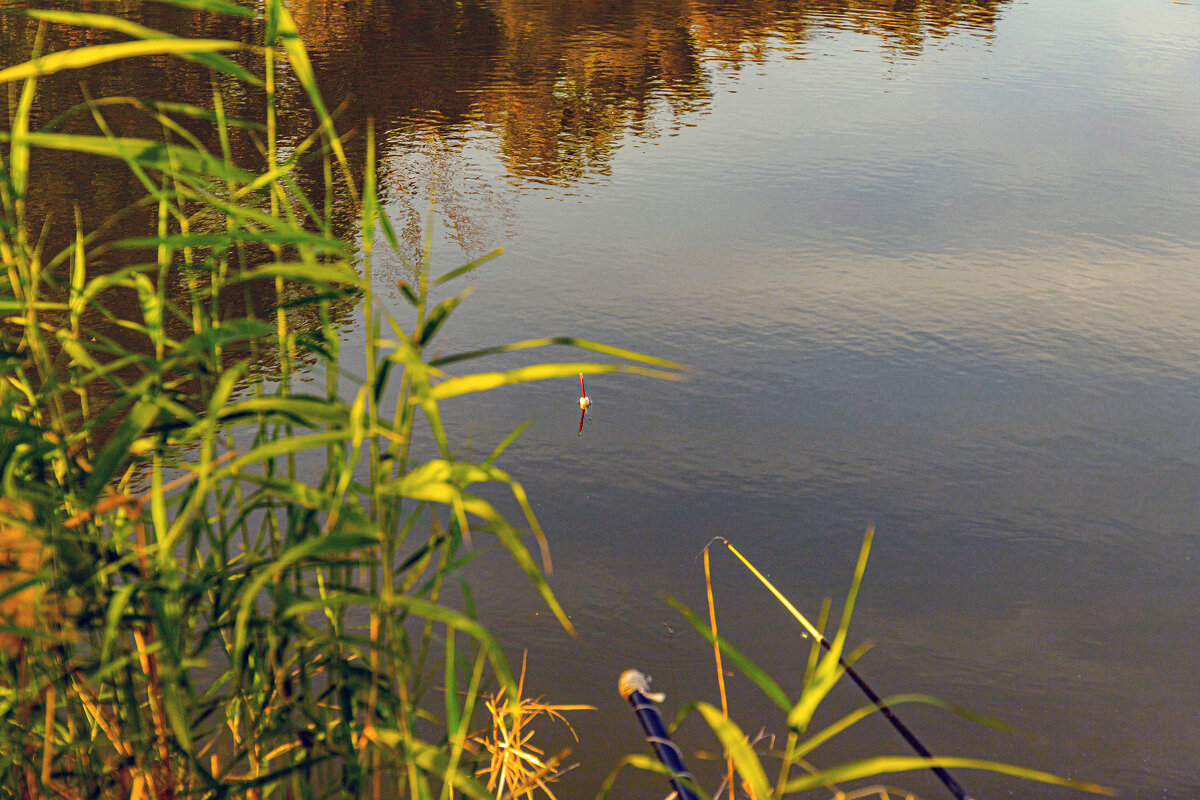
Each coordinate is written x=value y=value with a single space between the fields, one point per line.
x=215 y=582
x=762 y=769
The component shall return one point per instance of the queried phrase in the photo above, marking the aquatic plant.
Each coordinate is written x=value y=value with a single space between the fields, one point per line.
x=796 y=774
x=228 y=582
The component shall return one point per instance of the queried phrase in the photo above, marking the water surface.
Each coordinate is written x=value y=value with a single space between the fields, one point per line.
x=934 y=266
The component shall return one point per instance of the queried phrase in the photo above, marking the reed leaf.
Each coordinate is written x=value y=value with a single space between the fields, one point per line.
x=213 y=6
x=115 y=453
x=485 y=381
x=276 y=236
x=309 y=410
x=282 y=447
x=468 y=267
x=436 y=317
x=319 y=274
x=566 y=341
x=756 y=674
x=883 y=765
x=747 y=762
x=79 y=58
x=105 y=22
x=18 y=155
x=829 y=667
x=849 y=720
x=165 y=158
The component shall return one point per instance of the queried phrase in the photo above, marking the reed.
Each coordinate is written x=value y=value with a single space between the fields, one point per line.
x=220 y=581
x=792 y=769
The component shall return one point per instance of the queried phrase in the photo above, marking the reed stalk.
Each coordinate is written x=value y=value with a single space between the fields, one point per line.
x=269 y=617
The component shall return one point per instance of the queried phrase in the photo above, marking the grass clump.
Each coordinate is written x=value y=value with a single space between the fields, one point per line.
x=221 y=581
x=516 y=768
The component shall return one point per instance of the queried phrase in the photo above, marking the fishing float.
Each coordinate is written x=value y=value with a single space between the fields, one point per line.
x=585 y=403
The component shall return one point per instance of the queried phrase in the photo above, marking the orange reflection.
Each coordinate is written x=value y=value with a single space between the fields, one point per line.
x=563 y=82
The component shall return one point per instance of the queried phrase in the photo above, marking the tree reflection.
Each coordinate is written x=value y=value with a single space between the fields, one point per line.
x=557 y=84
x=562 y=83
x=426 y=171
x=553 y=86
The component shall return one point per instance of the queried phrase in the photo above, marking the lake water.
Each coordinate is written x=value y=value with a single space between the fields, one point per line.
x=935 y=269
x=933 y=266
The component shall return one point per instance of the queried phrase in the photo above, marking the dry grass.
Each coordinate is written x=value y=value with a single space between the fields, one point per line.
x=517 y=767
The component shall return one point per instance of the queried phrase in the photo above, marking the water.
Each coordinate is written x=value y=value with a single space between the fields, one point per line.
x=933 y=267
x=948 y=291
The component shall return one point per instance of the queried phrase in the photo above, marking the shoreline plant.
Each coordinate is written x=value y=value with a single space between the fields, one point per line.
x=271 y=616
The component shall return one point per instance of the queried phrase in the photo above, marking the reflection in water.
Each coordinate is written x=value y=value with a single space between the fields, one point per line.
x=562 y=83
x=424 y=174
x=559 y=85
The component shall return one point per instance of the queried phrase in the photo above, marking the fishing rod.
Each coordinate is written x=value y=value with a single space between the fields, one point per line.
x=635 y=687
x=943 y=775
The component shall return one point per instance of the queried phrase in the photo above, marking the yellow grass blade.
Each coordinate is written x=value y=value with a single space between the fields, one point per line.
x=81 y=57
x=880 y=765
x=738 y=746
x=483 y=381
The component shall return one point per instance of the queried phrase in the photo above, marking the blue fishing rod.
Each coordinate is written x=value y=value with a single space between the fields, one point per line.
x=635 y=687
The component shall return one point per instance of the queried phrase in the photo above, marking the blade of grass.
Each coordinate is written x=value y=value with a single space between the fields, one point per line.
x=93 y=55
x=881 y=765
x=468 y=267
x=748 y=668
x=106 y=22
x=712 y=618
x=738 y=747
x=484 y=381
x=566 y=341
